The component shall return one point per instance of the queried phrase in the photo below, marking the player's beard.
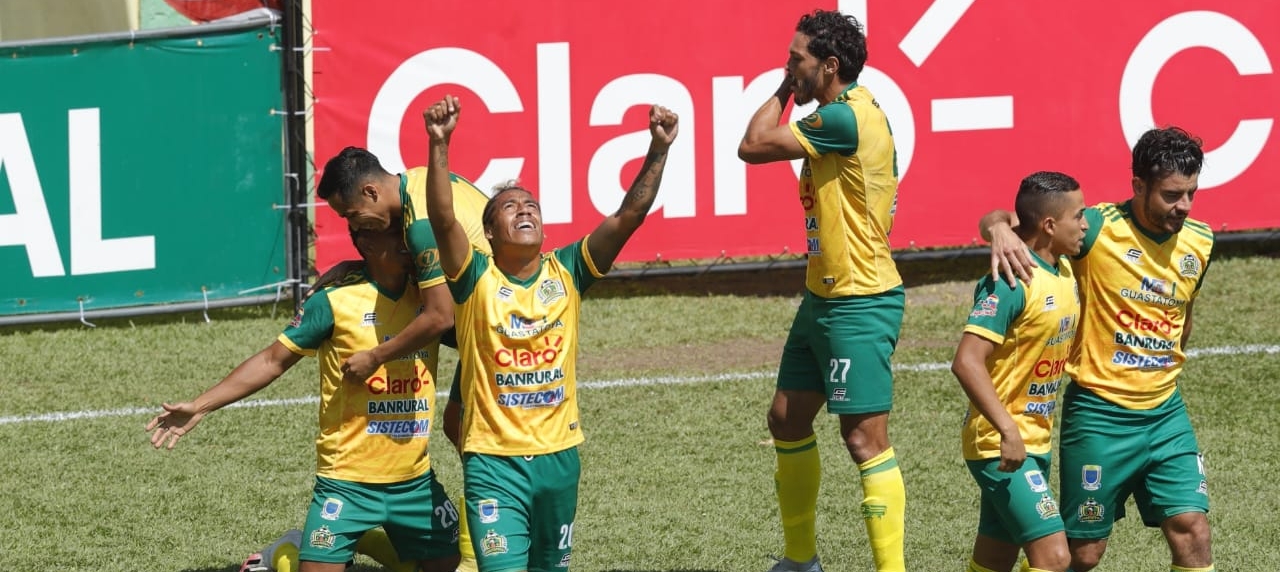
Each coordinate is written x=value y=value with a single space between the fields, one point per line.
x=803 y=89
x=1170 y=221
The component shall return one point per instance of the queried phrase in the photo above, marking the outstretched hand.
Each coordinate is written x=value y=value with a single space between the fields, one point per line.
x=176 y=421
x=664 y=124
x=442 y=118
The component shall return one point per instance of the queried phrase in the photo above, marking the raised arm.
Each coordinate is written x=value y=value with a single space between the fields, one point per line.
x=246 y=379
x=765 y=140
x=608 y=239
x=1009 y=255
x=970 y=368
x=441 y=119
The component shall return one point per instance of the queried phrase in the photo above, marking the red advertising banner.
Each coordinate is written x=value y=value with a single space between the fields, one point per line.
x=979 y=94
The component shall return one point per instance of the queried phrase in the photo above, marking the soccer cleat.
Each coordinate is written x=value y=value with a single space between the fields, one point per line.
x=265 y=560
x=789 y=565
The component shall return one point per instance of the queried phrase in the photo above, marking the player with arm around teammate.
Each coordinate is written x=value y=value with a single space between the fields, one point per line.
x=1125 y=428
x=372 y=463
x=1010 y=362
x=517 y=322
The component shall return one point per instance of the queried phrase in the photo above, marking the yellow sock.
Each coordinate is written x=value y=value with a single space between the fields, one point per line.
x=884 y=506
x=975 y=567
x=468 y=563
x=1173 y=568
x=377 y=545
x=285 y=558
x=1036 y=570
x=797 y=479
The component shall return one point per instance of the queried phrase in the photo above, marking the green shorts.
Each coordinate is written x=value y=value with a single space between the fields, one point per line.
x=1016 y=507
x=417 y=515
x=841 y=346
x=1109 y=453
x=521 y=509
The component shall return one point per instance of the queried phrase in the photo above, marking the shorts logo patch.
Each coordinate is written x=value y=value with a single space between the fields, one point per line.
x=564 y=562
x=1047 y=507
x=493 y=543
x=1203 y=488
x=322 y=538
x=1091 y=511
x=1037 y=482
x=838 y=395
x=1091 y=477
x=488 y=510
x=331 y=509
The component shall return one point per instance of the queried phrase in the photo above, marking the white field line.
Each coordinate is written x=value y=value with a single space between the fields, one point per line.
x=603 y=384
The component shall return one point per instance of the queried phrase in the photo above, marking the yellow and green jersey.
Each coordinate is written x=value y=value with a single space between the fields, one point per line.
x=376 y=431
x=518 y=347
x=1032 y=325
x=468 y=207
x=849 y=191
x=1136 y=286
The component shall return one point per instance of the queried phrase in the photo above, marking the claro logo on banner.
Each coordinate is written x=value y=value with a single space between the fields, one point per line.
x=979 y=94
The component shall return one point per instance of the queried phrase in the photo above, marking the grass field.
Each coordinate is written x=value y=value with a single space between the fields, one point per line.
x=675 y=475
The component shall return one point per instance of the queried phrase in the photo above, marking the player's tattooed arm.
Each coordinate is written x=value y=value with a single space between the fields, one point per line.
x=614 y=231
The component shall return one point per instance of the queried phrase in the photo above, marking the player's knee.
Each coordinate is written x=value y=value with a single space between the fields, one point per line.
x=1188 y=532
x=865 y=445
x=788 y=426
x=1057 y=558
x=1086 y=555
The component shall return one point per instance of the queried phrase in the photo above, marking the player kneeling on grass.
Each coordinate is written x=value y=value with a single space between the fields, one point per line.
x=1011 y=362
x=372 y=464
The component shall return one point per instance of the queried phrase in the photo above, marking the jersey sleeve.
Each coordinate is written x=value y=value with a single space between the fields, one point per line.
x=426 y=255
x=462 y=285
x=833 y=128
x=1093 y=216
x=995 y=307
x=311 y=326
x=577 y=260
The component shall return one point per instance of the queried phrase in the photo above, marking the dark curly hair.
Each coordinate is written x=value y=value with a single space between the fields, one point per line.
x=1165 y=151
x=834 y=34
x=346 y=171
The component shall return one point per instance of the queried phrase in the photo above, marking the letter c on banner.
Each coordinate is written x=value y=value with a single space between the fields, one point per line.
x=1211 y=30
x=428 y=69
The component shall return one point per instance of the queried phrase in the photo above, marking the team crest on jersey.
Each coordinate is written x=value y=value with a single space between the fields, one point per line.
x=1064 y=324
x=1133 y=255
x=549 y=291
x=1189 y=266
x=369 y=319
x=1047 y=507
x=493 y=543
x=812 y=121
x=488 y=510
x=1036 y=480
x=1090 y=511
x=331 y=509
x=1091 y=477
x=814 y=246
x=428 y=259
x=1050 y=303
x=986 y=307
x=504 y=293
x=322 y=538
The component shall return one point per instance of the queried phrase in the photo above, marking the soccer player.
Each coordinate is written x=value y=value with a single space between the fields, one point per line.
x=1125 y=429
x=372 y=463
x=1010 y=362
x=847 y=325
x=517 y=321
x=360 y=190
